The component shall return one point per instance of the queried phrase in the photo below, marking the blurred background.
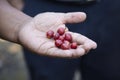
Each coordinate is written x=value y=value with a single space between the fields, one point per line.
x=12 y=65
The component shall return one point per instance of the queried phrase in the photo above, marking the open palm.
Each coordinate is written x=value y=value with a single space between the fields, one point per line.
x=33 y=35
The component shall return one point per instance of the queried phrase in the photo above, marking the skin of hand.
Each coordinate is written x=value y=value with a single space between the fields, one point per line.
x=18 y=4
x=32 y=35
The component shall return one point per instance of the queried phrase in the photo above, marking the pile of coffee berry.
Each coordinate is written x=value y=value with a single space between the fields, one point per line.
x=62 y=39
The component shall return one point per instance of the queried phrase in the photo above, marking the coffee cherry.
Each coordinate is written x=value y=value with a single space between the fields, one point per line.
x=73 y=45
x=56 y=36
x=66 y=42
x=61 y=31
x=62 y=40
x=50 y=34
x=61 y=37
x=58 y=43
x=65 y=45
x=68 y=37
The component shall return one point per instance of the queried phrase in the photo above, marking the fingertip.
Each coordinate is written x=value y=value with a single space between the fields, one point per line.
x=81 y=15
x=84 y=15
x=74 y=17
x=94 y=45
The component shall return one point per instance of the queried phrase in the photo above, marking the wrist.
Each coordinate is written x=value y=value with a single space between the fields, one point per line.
x=11 y=20
x=20 y=26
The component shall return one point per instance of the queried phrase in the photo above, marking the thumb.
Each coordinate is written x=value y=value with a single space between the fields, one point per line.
x=74 y=17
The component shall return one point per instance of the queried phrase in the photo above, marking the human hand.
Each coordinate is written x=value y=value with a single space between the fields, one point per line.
x=32 y=35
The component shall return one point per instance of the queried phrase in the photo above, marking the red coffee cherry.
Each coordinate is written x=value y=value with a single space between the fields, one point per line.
x=56 y=36
x=61 y=37
x=68 y=37
x=61 y=31
x=50 y=34
x=62 y=40
x=73 y=45
x=65 y=45
x=58 y=43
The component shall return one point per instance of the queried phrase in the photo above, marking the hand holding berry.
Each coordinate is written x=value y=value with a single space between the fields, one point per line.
x=33 y=35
